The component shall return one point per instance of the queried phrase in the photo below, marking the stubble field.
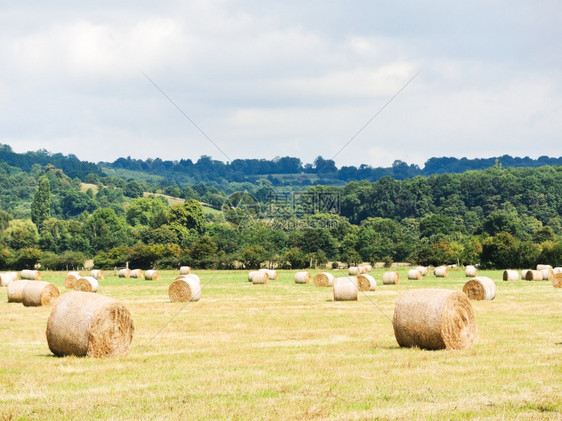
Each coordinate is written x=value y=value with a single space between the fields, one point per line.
x=288 y=351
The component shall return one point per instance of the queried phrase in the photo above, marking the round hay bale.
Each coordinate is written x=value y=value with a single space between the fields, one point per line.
x=534 y=275
x=345 y=288
x=137 y=273
x=557 y=280
x=414 y=274
x=353 y=270
x=302 y=278
x=71 y=279
x=470 y=271
x=390 y=278
x=250 y=274
x=324 y=279
x=366 y=268
x=423 y=269
x=32 y=275
x=510 y=275
x=557 y=270
x=90 y=325
x=547 y=274
x=185 y=270
x=480 y=288
x=152 y=275
x=124 y=273
x=441 y=271
x=184 y=289
x=541 y=267
x=366 y=282
x=524 y=273
x=15 y=291
x=86 y=284
x=272 y=273
x=260 y=277
x=39 y=293
x=7 y=277
x=434 y=319
x=98 y=274
x=189 y=276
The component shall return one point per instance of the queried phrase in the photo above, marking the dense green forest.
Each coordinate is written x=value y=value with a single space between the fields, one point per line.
x=498 y=217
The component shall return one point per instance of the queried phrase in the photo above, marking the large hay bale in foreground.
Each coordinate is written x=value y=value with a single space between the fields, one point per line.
x=390 y=278
x=39 y=293
x=15 y=290
x=510 y=275
x=86 y=284
x=345 y=288
x=71 y=279
x=434 y=319
x=441 y=271
x=151 y=275
x=90 y=325
x=547 y=274
x=137 y=273
x=32 y=275
x=185 y=270
x=324 y=279
x=414 y=274
x=534 y=275
x=423 y=269
x=480 y=288
x=541 y=267
x=470 y=271
x=184 y=289
x=7 y=277
x=260 y=277
x=366 y=282
x=302 y=277
x=557 y=280
x=98 y=274
x=124 y=273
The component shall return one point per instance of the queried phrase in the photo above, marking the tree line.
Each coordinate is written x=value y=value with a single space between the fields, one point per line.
x=498 y=217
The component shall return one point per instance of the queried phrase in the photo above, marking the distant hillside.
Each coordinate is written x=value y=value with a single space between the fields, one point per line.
x=284 y=171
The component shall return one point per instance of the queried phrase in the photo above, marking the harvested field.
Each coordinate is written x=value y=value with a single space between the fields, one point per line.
x=245 y=352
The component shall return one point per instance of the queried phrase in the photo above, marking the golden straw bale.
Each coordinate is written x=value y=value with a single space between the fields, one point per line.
x=32 y=275
x=302 y=277
x=152 y=275
x=366 y=282
x=345 y=288
x=391 y=278
x=90 y=325
x=15 y=290
x=324 y=279
x=124 y=273
x=480 y=288
x=557 y=280
x=414 y=274
x=510 y=275
x=185 y=270
x=7 y=277
x=260 y=277
x=86 y=284
x=184 y=289
x=137 y=273
x=441 y=271
x=39 y=293
x=534 y=275
x=470 y=271
x=98 y=274
x=434 y=319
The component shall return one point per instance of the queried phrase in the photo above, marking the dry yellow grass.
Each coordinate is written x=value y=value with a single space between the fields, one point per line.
x=243 y=352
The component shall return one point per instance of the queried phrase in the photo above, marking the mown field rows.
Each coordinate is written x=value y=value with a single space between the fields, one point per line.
x=287 y=351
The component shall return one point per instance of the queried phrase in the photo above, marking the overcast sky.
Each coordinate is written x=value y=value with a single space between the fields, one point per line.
x=267 y=78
